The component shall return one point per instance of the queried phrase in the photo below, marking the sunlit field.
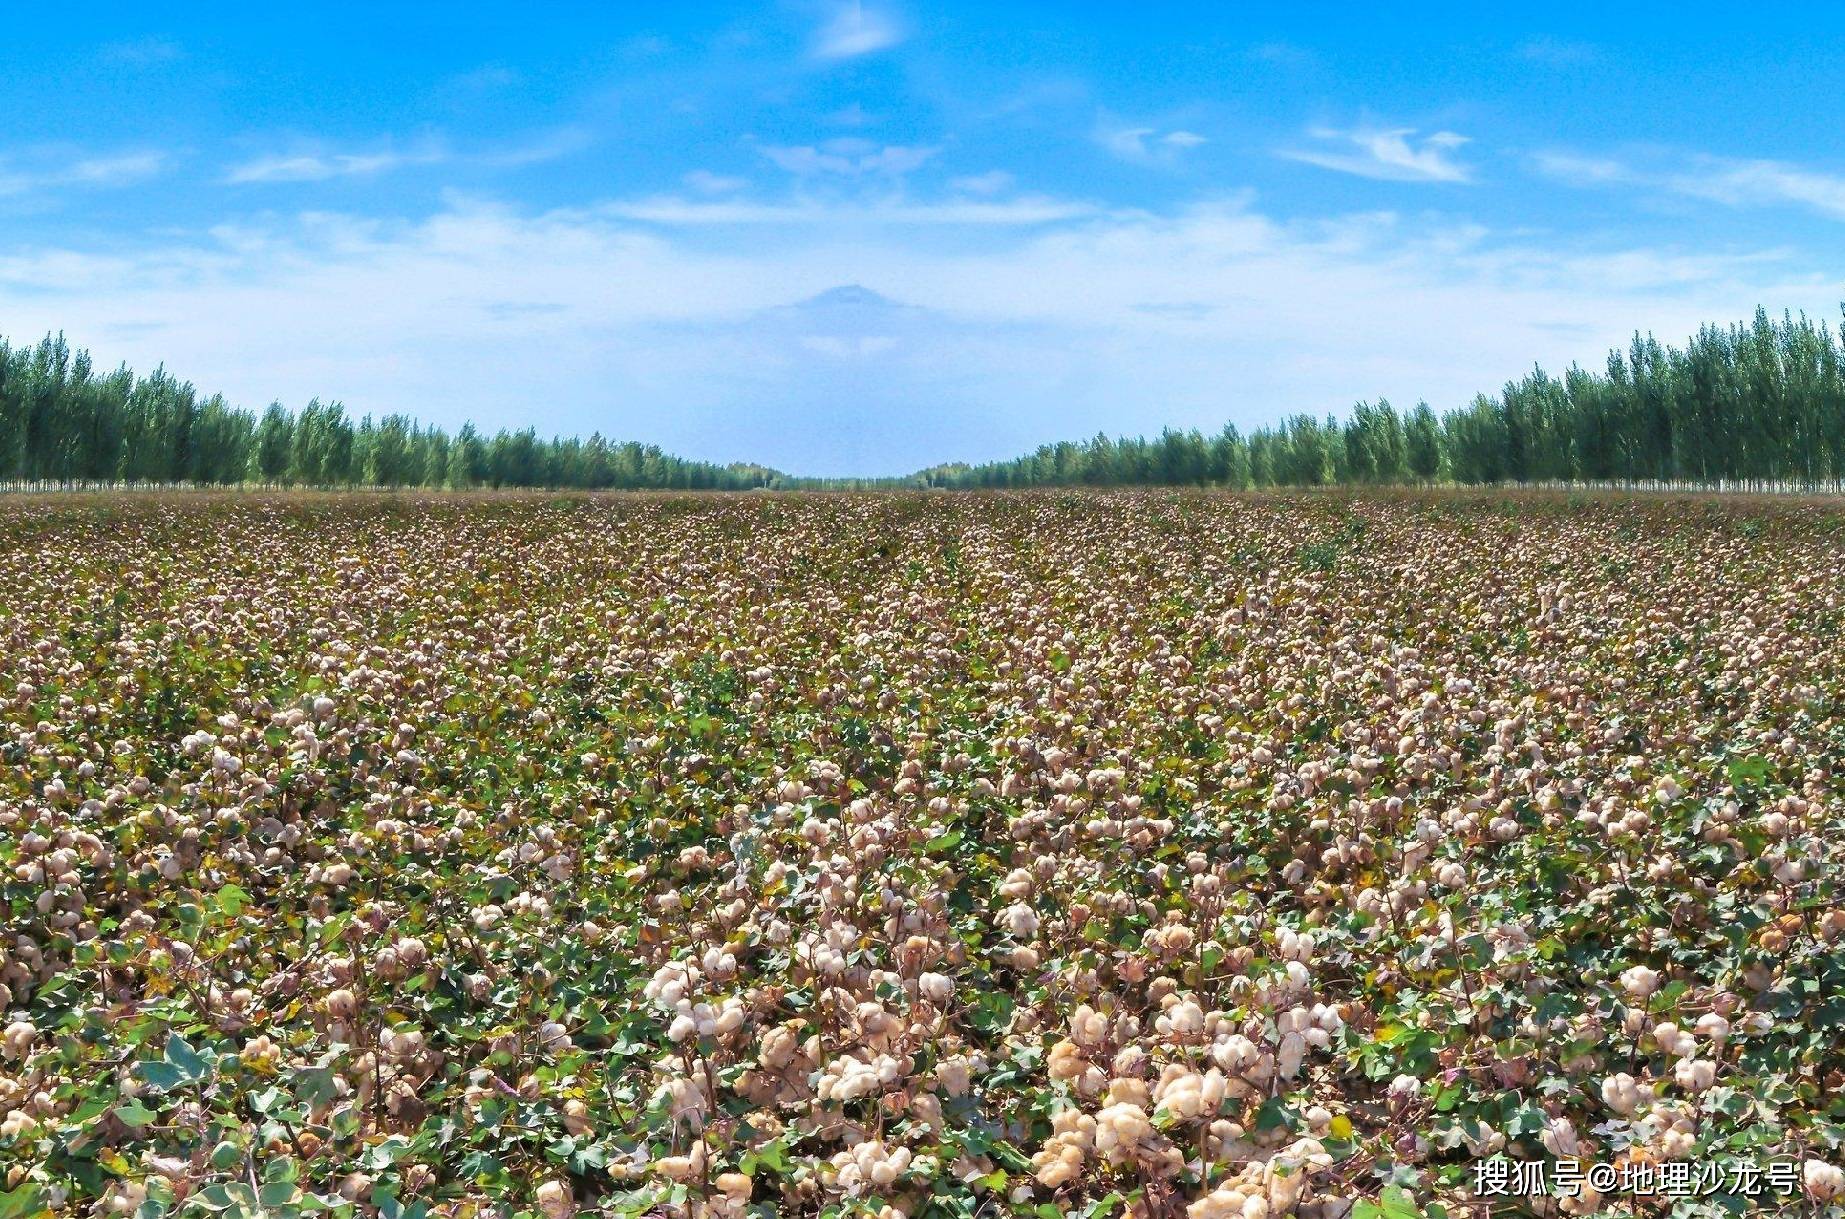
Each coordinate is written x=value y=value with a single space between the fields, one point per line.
x=1151 y=853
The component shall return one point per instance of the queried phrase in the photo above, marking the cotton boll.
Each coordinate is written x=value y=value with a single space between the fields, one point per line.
x=1019 y=919
x=1694 y=1074
x=1673 y=1040
x=1621 y=1093
x=1640 y=982
x=18 y=1039
x=936 y=988
x=1823 y=1181
x=554 y=1200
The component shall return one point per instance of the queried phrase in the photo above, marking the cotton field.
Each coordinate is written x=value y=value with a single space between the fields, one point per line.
x=1134 y=853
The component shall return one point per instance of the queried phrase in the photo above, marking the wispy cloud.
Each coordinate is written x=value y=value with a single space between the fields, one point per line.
x=316 y=163
x=1762 y=184
x=534 y=150
x=321 y=166
x=1021 y=212
x=1576 y=170
x=855 y=29
x=707 y=183
x=1730 y=181
x=1142 y=144
x=1392 y=154
x=990 y=183
x=53 y=168
x=848 y=157
x=1121 y=320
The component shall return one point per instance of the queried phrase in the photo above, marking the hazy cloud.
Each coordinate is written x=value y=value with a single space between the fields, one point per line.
x=1732 y=182
x=53 y=168
x=855 y=29
x=848 y=157
x=320 y=166
x=1394 y=155
x=1144 y=144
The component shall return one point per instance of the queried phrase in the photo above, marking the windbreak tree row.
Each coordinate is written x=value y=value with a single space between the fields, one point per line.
x=63 y=423
x=1754 y=405
x=1757 y=405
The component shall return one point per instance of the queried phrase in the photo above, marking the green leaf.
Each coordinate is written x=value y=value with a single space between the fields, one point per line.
x=232 y=900
x=943 y=842
x=1104 y=1206
x=134 y=1114
x=277 y=1194
x=160 y=1076
x=193 y=1067
x=26 y=1202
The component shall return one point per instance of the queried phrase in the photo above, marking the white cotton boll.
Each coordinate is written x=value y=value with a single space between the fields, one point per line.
x=1639 y=981
x=1824 y=1181
x=1119 y=1131
x=1694 y=1074
x=1290 y=1054
x=1236 y=1054
x=936 y=988
x=1088 y=1027
x=1673 y=1040
x=778 y=1047
x=1713 y=1026
x=18 y=1039
x=1621 y=1093
x=730 y=1018
x=682 y=1028
x=1186 y=1019
x=1559 y=1138
x=1021 y=920
x=555 y=1201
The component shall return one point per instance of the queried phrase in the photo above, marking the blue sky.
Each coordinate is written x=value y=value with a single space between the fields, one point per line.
x=862 y=238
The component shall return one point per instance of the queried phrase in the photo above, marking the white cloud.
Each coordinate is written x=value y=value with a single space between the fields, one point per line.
x=1763 y=183
x=990 y=183
x=672 y=322
x=52 y=168
x=1018 y=212
x=1580 y=170
x=849 y=157
x=1394 y=154
x=320 y=166
x=313 y=163
x=854 y=30
x=707 y=183
x=1733 y=182
x=1143 y=145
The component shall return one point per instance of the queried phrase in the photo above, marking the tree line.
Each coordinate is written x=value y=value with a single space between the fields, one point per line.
x=1748 y=405
x=63 y=423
